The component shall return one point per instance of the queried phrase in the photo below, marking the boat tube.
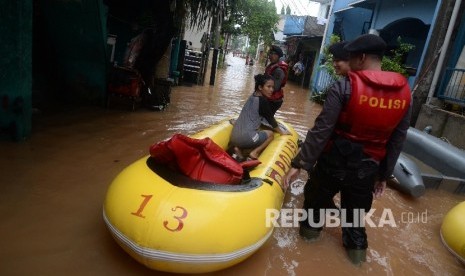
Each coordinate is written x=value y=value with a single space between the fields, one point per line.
x=444 y=157
x=170 y=222
x=408 y=177
x=453 y=231
x=448 y=160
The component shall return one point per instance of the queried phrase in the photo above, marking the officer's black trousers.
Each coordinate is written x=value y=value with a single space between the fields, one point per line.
x=356 y=187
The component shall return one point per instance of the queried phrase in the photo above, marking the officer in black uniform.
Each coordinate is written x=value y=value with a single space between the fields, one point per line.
x=354 y=154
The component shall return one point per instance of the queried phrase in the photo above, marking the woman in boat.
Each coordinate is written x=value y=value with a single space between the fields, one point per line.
x=246 y=133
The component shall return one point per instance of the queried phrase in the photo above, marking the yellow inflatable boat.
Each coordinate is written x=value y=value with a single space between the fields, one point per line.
x=170 y=223
x=453 y=231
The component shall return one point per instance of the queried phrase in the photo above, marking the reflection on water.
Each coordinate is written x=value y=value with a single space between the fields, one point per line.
x=53 y=185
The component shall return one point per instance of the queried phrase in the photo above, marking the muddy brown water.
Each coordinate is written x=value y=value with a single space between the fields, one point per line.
x=53 y=186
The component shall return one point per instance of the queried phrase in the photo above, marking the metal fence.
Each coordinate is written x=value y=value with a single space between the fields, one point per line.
x=452 y=88
x=323 y=80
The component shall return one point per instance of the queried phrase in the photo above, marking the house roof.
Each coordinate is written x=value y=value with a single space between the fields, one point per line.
x=322 y=1
x=294 y=25
x=302 y=25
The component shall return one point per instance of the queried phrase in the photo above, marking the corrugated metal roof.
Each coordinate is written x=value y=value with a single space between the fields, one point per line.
x=302 y=25
x=294 y=25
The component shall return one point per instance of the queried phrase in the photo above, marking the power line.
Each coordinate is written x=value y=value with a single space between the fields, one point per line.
x=297 y=24
x=296 y=6
x=300 y=5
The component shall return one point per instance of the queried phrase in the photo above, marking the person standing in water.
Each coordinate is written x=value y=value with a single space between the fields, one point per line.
x=278 y=70
x=354 y=143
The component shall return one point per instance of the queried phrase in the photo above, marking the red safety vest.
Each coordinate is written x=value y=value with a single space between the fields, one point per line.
x=279 y=94
x=378 y=102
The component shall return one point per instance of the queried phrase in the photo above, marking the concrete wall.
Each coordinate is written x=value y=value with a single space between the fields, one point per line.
x=390 y=11
x=444 y=124
x=353 y=21
x=434 y=44
x=194 y=35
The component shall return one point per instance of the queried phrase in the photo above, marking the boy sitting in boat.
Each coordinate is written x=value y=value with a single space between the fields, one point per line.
x=247 y=134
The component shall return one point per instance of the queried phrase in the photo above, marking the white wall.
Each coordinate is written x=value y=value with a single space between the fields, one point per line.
x=279 y=36
x=193 y=35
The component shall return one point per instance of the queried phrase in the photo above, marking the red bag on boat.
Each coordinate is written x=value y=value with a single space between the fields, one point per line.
x=199 y=159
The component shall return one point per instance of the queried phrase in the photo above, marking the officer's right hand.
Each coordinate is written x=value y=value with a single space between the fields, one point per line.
x=290 y=176
x=379 y=188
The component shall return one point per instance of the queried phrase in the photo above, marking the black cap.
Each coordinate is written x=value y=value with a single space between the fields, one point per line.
x=277 y=50
x=367 y=44
x=338 y=52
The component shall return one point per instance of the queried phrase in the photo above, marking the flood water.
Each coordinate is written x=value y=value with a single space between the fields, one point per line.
x=53 y=186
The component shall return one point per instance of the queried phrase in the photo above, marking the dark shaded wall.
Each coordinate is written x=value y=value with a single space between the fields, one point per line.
x=70 y=51
x=15 y=69
x=153 y=19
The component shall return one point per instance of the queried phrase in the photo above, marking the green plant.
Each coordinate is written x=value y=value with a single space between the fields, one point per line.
x=394 y=61
x=327 y=65
x=319 y=97
x=252 y=50
x=328 y=57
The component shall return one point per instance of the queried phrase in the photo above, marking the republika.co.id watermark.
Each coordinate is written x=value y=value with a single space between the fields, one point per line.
x=339 y=218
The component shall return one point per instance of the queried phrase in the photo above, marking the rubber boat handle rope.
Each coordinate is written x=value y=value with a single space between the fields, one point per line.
x=405 y=169
x=267 y=181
